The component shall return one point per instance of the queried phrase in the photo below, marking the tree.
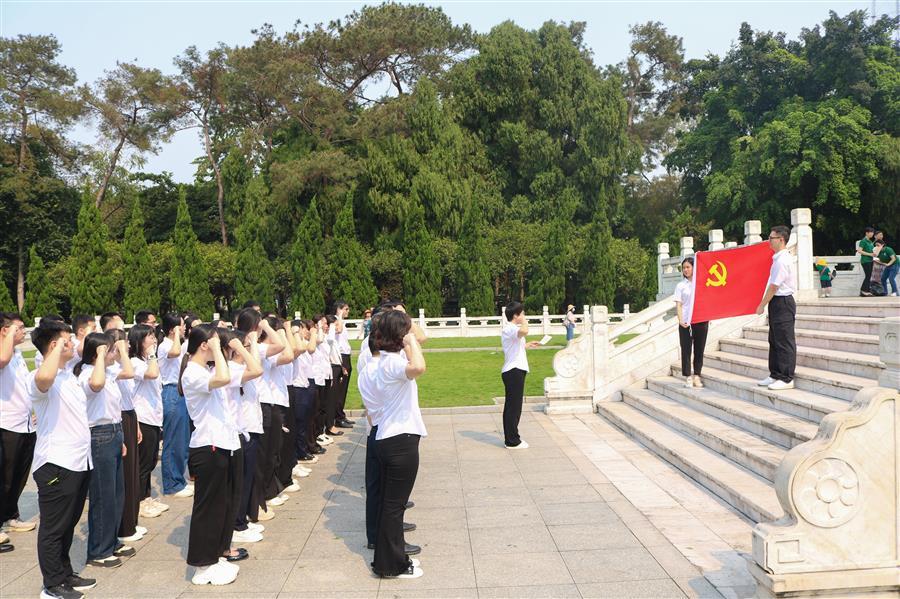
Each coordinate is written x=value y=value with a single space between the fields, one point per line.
x=597 y=274
x=353 y=283
x=6 y=302
x=91 y=283
x=254 y=274
x=140 y=278
x=40 y=298
x=308 y=265
x=473 y=278
x=547 y=286
x=421 y=268
x=190 y=289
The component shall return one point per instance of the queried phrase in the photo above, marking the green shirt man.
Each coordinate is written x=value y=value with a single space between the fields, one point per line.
x=885 y=255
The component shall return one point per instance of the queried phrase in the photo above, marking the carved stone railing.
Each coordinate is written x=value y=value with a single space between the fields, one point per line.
x=840 y=492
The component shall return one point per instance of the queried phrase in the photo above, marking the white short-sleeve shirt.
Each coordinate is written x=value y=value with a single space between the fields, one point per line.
x=15 y=403
x=394 y=398
x=513 y=348
x=70 y=365
x=343 y=342
x=684 y=293
x=103 y=406
x=321 y=364
x=213 y=419
x=147 y=397
x=126 y=388
x=63 y=434
x=169 y=368
x=782 y=273
x=298 y=375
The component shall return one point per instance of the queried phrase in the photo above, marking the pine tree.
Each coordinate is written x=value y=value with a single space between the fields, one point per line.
x=254 y=276
x=421 y=268
x=354 y=280
x=139 y=277
x=473 y=278
x=40 y=299
x=308 y=265
x=596 y=273
x=6 y=302
x=190 y=286
x=547 y=286
x=91 y=282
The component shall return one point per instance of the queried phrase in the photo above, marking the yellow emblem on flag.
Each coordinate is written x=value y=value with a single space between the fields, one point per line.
x=718 y=275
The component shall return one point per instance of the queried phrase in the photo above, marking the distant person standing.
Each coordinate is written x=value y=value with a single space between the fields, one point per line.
x=569 y=323
x=865 y=247
x=888 y=258
x=690 y=336
x=779 y=296
x=515 y=367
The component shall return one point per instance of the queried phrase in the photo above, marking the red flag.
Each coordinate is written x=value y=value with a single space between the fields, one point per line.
x=730 y=282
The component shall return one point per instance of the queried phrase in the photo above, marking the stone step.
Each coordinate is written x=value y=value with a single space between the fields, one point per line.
x=871 y=307
x=751 y=452
x=839 y=324
x=796 y=402
x=770 y=424
x=748 y=493
x=848 y=342
x=861 y=365
x=839 y=385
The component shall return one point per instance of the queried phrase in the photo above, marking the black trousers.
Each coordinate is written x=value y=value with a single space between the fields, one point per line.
x=16 y=453
x=339 y=413
x=692 y=338
x=514 y=383
x=217 y=492
x=321 y=407
x=314 y=422
x=148 y=455
x=269 y=453
x=333 y=397
x=287 y=458
x=131 y=468
x=867 y=269
x=399 y=459
x=61 y=495
x=782 y=344
x=302 y=411
x=373 y=487
x=248 y=507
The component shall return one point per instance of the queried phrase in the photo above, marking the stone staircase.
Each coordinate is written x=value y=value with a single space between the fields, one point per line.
x=731 y=435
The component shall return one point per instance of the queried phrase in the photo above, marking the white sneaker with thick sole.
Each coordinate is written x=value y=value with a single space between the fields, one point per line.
x=265 y=515
x=18 y=526
x=689 y=382
x=255 y=527
x=158 y=504
x=246 y=536
x=521 y=445
x=275 y=501
x=141 y=529
x=300 y=473
x=781 y=386
x=227 y=564
x=292 y=488
x=766 y=382
x=214 y=575
x=131 y=538
x=185 y=492
x=148 y=510
x=697 y=382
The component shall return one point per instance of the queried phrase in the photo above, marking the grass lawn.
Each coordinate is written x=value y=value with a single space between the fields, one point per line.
x=468 y=378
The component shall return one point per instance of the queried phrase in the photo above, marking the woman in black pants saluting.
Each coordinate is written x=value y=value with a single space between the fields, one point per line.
x=390 y=378
x=689 y=335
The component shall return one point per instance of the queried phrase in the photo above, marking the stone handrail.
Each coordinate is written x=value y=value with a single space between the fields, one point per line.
x=644 y=320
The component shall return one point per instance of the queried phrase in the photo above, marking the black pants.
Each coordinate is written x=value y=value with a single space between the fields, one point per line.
x=334 y=397
x=321 y=406
x=302 y=411
x=782 y=344
x=131 y=468
x=269 y=453
x=514 y=383
x=692 y=337
x=16 y=452
x=339 y=413
x=61 y=495
x=248 y=507
x=287 y=457
x=399 y=459
x=217 y=492
x=148 y=455
x=313 y=426
x=373 y=487
x=867 y=269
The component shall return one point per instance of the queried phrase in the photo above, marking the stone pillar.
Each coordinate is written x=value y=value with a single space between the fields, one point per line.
x=463 y=324
x=297 y=315
x=730 y=244
x=422 y=318
x=662 y=253
x=889 y=352
x=600 y=335
x=545 y=321
x=37 y=321
x=752 y=232
x=687 y=246
x=716 y=237
x=216 y=316
x=801 y=218
x=585 y=317
x=626 y=309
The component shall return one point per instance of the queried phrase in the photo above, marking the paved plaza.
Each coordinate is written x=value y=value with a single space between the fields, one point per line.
x=585 y=512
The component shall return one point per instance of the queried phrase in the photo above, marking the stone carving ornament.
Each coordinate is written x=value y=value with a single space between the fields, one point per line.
x=827 y=494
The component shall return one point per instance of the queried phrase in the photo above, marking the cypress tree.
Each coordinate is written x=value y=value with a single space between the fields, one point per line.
x=421 y=268
x=40 y=299
x=6 y=302
x=473 y=278
x=190 y=286
x=308 y=264
x=597 y=276
x=254 y=276
x=139 y=278
x=354 y=282
x=91 y=282
x=548 y=283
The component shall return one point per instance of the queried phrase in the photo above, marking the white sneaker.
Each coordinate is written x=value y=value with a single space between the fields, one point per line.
x=162 y=507
x=697 y=382
x=185 y=492
x=224 y=563
x=4 y=538
x=246 y=536
x=292 y=488
x=893 y=295
x=18 y=526
x=141 y=529
x=324 y=440
x=300 y=473
x=214 y=574
x=413 y=572
x=148 y=510
x=521 y=445
x=275 y=501
x=415 y=562
x=766 y=382
x=781 y=386
x=284 y=497
x=255 y=527
x=265 y=515
x=131 y=538
x=689 y=381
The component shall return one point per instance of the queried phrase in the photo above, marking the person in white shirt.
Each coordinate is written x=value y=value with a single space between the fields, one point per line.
x=176 y=428
x=306 y=400
x=336 y=370
x=104 y=410
x=389 y=377
x=342 y=340
x=293 y=381
x=690 y=336
x=515 y=368
x=322 y=369
x=779 y=297
x=83 y=325
x=17 y=436
x=62 y=457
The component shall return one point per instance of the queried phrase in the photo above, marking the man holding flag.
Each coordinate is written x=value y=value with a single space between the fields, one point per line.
x=779 y=297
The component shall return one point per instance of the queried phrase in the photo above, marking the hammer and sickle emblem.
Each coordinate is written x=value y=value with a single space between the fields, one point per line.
x=718 y=275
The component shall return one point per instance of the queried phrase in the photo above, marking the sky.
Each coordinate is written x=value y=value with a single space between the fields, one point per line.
x=96 y=34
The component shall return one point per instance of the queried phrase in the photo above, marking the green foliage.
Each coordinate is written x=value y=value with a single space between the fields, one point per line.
x=597 y=282
x=40 y=298
x=254 y=273
x=421 y=269
x=473 y=279
x=92 y=285
x=189 y=278
x=6 y=302
x=308 y=265
x=629 y=262
x=348 y=261
x=140 y=275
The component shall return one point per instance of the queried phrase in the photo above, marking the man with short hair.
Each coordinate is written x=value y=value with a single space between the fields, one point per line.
x=779 y=297
x=145 y=317
x=112 y=320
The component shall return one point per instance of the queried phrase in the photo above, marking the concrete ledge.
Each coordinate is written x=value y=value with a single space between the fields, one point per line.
x=871 y=583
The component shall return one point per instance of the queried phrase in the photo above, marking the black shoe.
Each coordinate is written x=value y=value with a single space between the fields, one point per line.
x=342 y=424
x=241 y=555
x=408 y=527
x=80 y=584
x=107 y=562
x=349 y=422
x=410 y=504
x=335 y=434
x=6 y=548
x=413 y=549
x=305 y=458
x=61 y=591
x=319 y=450
x=124 y=551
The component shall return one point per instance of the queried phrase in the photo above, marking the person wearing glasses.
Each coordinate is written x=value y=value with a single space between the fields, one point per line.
x=779 y=297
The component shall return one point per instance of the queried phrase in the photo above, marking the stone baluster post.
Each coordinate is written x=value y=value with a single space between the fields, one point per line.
x=752 y=231
x=37 y=321
x=216 y=316
x=662 y=253
x=545 y=321
x=730 y=244
x=687 y=246
x=586 y=317
x=297 y=315
x=463 y=324
x=599 y=322
x=889 y=352
x=801 y=218
x=626 y=310
x=422 y=318
x=716 y=237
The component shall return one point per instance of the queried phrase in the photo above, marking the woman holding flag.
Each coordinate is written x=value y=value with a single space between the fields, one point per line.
x=691 y=337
